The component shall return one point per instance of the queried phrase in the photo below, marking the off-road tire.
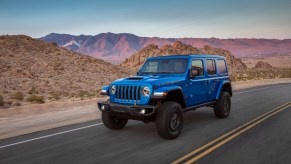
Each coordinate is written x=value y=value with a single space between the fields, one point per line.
x=169 y=120
x=112 y=122
x=222 y=107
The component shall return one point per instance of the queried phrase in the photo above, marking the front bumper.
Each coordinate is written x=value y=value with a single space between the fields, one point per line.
x=134 y=110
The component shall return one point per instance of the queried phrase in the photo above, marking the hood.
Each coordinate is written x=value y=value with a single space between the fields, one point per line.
x=157 y=80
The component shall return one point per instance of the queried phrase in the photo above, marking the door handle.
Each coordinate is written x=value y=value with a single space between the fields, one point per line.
x=205 y=82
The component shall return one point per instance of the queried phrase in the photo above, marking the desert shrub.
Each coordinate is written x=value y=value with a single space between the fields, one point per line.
x=9 y=102
x=35 y=99
x=55 y=95
x=93 y=94
x=17 y=104
x=82 y=93
x=18 y=96
x=48 y=51
x=32 y=91
x=1 y=101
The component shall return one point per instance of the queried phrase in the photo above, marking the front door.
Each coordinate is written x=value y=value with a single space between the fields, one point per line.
x=198 y=85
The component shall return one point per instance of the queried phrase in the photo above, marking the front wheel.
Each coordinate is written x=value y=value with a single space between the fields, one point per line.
x=113 y=122
x=169 y=121
x=222 y=107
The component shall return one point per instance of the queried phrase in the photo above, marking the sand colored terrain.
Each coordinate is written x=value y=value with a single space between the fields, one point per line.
x=275 y=61
x=30 y=118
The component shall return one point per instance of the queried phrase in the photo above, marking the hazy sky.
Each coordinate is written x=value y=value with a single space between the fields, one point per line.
x=162 y=18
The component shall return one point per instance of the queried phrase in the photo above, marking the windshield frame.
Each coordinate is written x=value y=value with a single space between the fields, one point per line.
x=164 y=73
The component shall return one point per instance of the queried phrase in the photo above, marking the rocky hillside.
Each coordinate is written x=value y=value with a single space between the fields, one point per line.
x=116 y=47
x=263 y=65
x=178 y=48
x=30 y=67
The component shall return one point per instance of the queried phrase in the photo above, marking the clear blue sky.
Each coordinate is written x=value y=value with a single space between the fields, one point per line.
x=162 y=18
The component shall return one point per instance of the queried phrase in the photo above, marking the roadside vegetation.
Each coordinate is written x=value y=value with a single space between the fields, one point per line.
x=1 y=101
x=35 y=99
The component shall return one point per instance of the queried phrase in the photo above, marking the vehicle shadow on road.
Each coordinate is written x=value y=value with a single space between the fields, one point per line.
x=192 y=120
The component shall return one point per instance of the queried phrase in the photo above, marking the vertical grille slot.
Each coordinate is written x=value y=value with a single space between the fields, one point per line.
x=126 y=93
x=134 y=91
x=121 y=94
x=117 y=91
x=130 y=92
x=138 y=93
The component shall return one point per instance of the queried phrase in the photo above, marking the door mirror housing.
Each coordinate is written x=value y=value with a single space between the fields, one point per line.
x=194 y=72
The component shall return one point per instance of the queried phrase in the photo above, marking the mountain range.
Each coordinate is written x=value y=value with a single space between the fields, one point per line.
x=117 y=47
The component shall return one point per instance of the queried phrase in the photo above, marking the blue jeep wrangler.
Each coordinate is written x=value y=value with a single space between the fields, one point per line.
x=165 y=87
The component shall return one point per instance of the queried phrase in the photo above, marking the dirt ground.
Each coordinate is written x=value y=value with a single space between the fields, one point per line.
x=30 y=118
x=275 y=61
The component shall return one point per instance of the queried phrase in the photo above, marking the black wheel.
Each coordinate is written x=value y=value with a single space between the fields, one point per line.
x=222 y=107
x=169 y=121
x=113 y=122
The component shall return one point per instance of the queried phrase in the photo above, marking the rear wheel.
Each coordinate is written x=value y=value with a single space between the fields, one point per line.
x=169 y=121
x=222 y=107
x=113 y=122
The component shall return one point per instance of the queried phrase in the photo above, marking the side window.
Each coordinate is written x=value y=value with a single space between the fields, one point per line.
x=198 y=64
x=210 y=67
x=221 y=66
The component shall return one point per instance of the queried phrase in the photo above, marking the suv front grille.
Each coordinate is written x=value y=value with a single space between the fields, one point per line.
x=128 y=92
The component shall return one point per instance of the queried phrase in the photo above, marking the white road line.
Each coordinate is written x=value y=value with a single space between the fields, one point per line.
x=237 y=93
x=67 y=131
x=51 y=135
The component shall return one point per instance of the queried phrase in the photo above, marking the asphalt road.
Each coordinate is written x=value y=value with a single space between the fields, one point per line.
x=267 y=142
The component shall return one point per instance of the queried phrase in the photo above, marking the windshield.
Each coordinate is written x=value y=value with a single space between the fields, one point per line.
x=165 y=66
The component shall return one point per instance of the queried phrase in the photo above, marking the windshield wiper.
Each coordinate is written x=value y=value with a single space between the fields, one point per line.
x=148 y=72
x=164 y=72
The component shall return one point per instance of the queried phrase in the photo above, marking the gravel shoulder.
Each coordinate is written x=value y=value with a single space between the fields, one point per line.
x=31 y=118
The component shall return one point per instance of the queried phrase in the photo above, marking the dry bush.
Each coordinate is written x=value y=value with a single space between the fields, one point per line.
x=1 y=101
x=35 y=99
x=32 y=91
x=55 y=95
x=18 y=96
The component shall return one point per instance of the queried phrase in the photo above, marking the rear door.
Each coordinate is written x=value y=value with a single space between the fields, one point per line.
x=212 y=79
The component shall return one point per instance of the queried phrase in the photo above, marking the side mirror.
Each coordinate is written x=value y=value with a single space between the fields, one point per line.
x=194 y=72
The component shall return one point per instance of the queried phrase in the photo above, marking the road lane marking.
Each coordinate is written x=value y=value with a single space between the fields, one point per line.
x=50 y=135
x=211 y=146
x=237 y=93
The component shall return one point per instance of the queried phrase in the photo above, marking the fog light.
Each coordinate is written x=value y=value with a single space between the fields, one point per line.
x=142 y=111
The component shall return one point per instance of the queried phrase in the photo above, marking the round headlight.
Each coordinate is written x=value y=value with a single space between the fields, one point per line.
x=113 y=89
x=146 y=91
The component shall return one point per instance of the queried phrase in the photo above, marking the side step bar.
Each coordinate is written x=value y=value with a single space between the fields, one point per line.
x=199 y=105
